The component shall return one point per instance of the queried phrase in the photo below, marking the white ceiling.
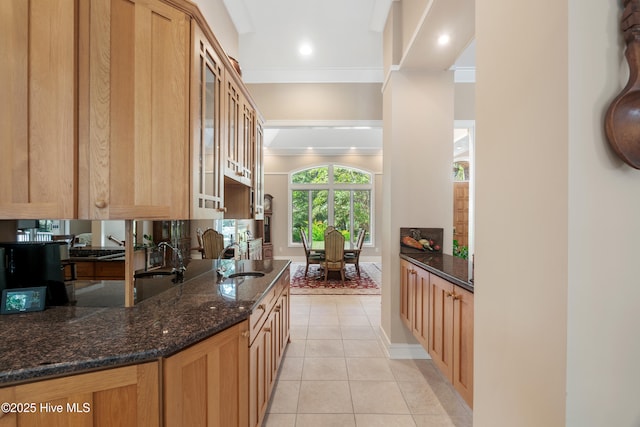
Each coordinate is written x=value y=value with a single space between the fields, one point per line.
x=346 y=37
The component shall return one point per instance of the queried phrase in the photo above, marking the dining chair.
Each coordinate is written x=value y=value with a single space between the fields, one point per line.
x=329 y=229
x=353 y=257
x=212 y=244
x=310 y=256
x=333 y=254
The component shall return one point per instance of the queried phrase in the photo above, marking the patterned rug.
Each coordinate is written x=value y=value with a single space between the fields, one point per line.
x=367 y=284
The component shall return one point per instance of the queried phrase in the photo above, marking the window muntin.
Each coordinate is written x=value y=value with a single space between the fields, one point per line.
x=330 y=195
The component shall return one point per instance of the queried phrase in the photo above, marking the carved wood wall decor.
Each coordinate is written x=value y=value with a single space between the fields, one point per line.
x=622 y=121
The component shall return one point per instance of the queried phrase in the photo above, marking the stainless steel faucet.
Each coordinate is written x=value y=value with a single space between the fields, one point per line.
x=180 y=268
x=221 y=269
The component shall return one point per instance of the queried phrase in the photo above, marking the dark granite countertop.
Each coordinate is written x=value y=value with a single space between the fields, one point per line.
x=70 y=339
x=453 y=269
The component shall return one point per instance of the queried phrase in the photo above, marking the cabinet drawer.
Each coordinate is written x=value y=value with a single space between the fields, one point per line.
x=261 y=312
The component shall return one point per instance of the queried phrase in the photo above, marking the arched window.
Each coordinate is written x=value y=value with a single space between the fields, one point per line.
x=335 y=195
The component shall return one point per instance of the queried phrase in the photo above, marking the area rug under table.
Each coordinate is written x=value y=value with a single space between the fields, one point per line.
x=314 y=284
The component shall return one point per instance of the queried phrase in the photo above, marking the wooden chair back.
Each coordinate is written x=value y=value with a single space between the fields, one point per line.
x=212 y=244
x=333 y=253
x=305 y=242
x=334 y=247
x=360 y=240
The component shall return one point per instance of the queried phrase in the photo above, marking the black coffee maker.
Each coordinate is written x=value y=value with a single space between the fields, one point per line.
x=31 y=264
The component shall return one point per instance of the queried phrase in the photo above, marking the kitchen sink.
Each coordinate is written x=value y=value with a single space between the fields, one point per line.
x=246 y=274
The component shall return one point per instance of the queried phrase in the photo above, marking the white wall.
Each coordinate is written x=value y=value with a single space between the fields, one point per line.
x=417 y=178
x=603 y=348
x=556 y=222
x=216 y=15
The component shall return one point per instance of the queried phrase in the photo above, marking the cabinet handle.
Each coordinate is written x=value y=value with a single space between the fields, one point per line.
x=262 y=307
x=277 y=309
x=101 y=203
x=455 y=296
x=267 y=329
x=449 y=294
x=245 y=334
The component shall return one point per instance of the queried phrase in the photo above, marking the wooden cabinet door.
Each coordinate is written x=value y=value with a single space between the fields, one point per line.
x=259 y=375
x=406 y=292
x=206 y=107
x=207 y=383
x=441 y=324
x=420 y=306
x=258 y=172
x=463 y=344
x=232 y=139
x=239 y=141
x=247 y=151
x=135 y=93
x=38 y=119
x=126 y=396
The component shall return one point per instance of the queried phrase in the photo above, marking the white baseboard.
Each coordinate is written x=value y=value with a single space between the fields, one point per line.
x=401 y=351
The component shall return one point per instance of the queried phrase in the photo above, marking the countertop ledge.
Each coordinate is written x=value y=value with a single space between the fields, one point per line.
x=453 y=269
x=68 y=340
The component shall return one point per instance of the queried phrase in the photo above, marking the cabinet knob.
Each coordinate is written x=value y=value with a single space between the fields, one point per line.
x=455 y=296
x=267 y=329
x=262 y=307
x=448 y=294
x=277 y=308
x=101 y=203
x=245 y=334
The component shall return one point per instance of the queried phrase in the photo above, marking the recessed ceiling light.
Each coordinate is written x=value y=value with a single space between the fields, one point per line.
x=305 y=49
x=444 y=39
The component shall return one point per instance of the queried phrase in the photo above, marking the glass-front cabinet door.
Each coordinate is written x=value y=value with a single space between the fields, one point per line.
x=208 y=174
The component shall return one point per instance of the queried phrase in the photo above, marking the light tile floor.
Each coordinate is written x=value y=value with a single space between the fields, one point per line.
x=335 y=373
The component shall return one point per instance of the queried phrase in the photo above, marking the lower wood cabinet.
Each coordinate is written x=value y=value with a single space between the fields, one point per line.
x=225 y=380
x=440 y=316
x=266 y=350
x=127 y=396
x=451 y=334
x=206 y=384
x=414 y=297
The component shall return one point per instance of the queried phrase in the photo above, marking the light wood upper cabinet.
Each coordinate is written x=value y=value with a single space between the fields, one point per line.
x=240 y=131
x=38 y=118
x=134 y=150
x=206 y=112
x=258 y=172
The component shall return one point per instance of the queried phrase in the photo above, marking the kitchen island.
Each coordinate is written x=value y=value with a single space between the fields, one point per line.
x=205 y=351
x=69 y=339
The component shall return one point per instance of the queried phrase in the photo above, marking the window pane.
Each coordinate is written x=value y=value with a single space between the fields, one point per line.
x=362 y=213
x=318 y=175
x=342 y=175
x=300 y=213
x=320 y=215
x=342 y=212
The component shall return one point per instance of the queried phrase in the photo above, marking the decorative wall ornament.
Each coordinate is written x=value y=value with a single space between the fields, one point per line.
x=622 y=121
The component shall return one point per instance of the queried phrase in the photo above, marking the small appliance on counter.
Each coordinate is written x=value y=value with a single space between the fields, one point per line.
x=34 y=264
